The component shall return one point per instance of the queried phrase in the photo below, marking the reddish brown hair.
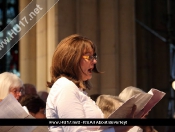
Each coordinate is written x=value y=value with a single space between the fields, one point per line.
x=66 y=60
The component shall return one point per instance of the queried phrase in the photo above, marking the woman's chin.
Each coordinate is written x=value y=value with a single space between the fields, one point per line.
x=87 y=78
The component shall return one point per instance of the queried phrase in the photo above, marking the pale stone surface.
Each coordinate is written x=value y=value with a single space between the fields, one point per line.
x=109 y=24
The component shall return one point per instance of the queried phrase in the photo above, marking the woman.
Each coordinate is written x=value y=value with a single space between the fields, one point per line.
x=108 y=104
x=129 y=91
x=10 y=83
x=73 y=62
x=126 y=94
x=35 y=105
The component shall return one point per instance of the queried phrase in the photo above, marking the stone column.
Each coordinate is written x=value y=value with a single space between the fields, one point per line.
x=127 y=46
x=109 y=24
x=27 y=51
x=52 y=36
x=41 y=48
x=37 y=47
x=117 y=45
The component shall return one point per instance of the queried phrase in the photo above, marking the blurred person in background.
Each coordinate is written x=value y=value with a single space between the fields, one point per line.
x=43 y=95
x=109 y=103
x=10 y=83
x=126 y=94
x=30 y=89
x=35 y=105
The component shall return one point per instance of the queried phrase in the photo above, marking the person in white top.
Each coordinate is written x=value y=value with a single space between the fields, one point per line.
x=126 y=94
x=109 y=103
x=73 y=62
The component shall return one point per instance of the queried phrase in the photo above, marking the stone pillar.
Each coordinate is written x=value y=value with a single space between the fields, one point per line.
x=37 y=47
x=88 y=25
x=41 y=50
x=109 y=24
x=117 y=45
x=108 y=46
x=52 y=36
x=127 y=47
x=27 y=52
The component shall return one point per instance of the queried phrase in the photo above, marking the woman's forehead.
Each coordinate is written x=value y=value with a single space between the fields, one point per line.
x=17 y=87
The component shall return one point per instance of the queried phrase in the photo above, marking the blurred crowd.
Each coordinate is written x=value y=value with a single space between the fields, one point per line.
x=35 y=101
x=26 y=94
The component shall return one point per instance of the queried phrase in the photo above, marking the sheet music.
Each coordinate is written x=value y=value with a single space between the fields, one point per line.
x=140 y=100
x=157 y=96
x=11 y=108
x=144 y=102
x=124 y=109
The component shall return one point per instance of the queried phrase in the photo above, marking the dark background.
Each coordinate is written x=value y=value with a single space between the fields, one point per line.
x=154 y=55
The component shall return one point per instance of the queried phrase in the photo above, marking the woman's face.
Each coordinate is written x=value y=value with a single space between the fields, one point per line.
x=17 y=92
x=87 y=64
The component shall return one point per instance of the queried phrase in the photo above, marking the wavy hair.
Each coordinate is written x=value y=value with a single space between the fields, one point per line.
x=130 y=91
x=66 y=60
x=8 y=81
x=108 y=104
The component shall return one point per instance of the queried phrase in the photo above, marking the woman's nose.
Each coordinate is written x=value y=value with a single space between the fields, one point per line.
x=94 y=61
x=19 y=93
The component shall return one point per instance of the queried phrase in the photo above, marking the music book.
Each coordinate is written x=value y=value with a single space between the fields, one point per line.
x=144 y=103
x=11 y=108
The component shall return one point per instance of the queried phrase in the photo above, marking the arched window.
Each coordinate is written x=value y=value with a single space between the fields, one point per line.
x=10 y=61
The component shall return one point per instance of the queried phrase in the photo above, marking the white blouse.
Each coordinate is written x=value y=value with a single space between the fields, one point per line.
x=66 y=100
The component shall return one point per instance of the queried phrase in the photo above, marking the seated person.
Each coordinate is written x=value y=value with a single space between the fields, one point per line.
x=94 y=97
x=30 y=89
x=43 y=95
x=126 y=94
x=35 y=105
x=10 y=83
x=108 y=104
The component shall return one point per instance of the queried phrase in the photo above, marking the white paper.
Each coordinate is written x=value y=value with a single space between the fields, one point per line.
x=140 y=100
x=135 y=129
x=41 y=129
x=123 y=110
x=11 y=108
x=144 y=102
x=22 y=129
x=157 y=96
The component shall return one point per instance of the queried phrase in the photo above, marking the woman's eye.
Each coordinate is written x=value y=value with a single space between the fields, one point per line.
x=15 y=91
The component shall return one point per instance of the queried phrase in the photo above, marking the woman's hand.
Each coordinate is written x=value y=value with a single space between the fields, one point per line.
x=132 y=114
x=140 y=114
x=122 y=128
x=126 y=128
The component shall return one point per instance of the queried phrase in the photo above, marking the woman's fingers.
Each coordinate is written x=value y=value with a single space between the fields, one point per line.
x=131 y=115
x=133 y=111
x=140 y=114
